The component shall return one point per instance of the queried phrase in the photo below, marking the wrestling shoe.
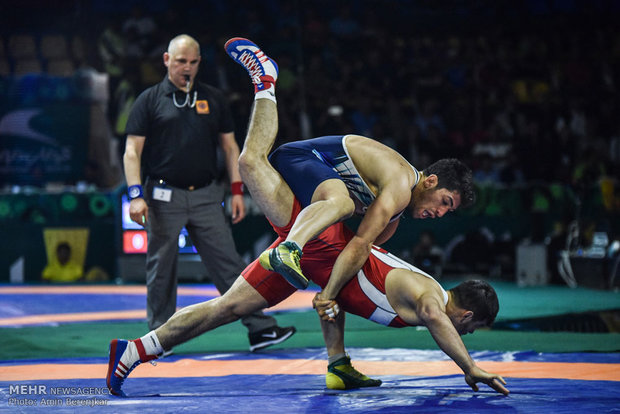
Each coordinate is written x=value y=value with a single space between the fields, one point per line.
x=262 y=69
x=124 y=356
x=342 y=376
x=270 y=336
x=284 y=259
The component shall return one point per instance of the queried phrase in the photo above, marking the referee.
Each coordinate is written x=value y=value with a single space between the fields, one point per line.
x=172 y=136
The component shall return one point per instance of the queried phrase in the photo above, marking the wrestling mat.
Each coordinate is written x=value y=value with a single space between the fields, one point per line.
x=286 y=379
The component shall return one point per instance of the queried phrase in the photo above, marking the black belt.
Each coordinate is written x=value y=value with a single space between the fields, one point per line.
x=161 y=181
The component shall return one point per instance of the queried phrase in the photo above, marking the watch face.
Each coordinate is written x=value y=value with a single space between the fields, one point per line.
x=134 y=192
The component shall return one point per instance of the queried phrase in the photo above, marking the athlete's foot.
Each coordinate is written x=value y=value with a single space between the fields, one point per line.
x=124 y=356
x=342 y=376
x=262 y=69
x=284 y=259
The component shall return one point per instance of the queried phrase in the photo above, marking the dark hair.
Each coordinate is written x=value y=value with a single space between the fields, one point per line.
x=479 y=297
x=63 y=246
x=453 y=175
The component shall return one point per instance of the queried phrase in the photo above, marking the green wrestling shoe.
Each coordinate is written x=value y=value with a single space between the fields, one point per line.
x=342 y=376
x=284 y=259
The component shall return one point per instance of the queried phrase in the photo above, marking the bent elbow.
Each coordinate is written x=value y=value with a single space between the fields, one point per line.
x=131 y=156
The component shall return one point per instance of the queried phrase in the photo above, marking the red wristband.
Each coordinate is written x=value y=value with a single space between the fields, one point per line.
x=236 y=188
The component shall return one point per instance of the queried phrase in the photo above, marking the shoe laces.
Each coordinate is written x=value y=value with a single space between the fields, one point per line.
x=349 y=370
x=250 y=61
x=295 y=257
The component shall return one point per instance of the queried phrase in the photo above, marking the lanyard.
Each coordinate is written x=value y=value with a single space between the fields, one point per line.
x=187 y=101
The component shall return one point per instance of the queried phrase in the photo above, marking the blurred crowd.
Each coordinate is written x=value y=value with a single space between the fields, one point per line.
x=521 y=91
x=525 y=92
x=517 y=102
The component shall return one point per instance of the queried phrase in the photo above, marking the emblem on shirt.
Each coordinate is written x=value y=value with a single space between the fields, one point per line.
x=202 y=107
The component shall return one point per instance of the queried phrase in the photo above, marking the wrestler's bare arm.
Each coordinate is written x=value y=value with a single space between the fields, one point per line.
x=356 y=252
x=418 y=300
x=432 y=314
x=384 y=170
x=388 y=232
x=446 y=336
x=380 y=166
x=393 y=196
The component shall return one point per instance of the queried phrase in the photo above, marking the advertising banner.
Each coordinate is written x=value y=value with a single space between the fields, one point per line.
x=44 y=129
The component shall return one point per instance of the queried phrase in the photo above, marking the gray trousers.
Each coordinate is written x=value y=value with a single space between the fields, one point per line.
x=202 y=214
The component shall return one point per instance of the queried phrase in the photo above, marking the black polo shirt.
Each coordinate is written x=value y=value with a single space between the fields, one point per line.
x=181 y=143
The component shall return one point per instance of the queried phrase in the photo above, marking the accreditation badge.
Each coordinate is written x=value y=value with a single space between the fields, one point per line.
x=202 y=107
x=162 y=194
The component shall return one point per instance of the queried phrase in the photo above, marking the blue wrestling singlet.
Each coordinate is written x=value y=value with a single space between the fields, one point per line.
x=306 y=164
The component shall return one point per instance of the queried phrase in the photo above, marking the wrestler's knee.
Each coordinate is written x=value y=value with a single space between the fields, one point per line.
x=335 y=196
x=345 y=206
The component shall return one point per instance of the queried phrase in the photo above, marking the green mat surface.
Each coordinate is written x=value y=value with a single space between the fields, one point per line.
x=540 y=301
x=516 y=304
x=91 y=340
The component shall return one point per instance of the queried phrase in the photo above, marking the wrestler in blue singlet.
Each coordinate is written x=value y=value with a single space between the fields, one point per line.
x=306 y=164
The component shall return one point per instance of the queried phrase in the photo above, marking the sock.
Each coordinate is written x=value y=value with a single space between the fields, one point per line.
x=151 y=344
x=335 y=358
x=267 y=93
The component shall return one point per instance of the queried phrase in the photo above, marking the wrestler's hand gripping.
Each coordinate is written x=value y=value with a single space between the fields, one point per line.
x=327 y=309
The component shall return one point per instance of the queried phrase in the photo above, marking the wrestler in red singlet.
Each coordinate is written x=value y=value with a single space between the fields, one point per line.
x=364 y=295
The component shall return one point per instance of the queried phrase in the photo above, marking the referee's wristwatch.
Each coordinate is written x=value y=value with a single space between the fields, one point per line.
x=135 y=191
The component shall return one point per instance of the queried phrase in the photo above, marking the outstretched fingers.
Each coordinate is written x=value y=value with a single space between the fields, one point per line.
x=495 y=381
x=497 y=384
x=492 y=380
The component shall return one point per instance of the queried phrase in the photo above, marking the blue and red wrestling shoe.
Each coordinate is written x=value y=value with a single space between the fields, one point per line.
x=124 y=356
x=262 y=69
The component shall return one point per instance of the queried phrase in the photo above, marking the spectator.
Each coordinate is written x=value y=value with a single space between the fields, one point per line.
x=61 y=268
x=427 y=255
x=486 y=173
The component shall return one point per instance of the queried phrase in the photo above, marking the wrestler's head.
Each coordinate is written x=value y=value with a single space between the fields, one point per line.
x=445 y=186
x=472 y=304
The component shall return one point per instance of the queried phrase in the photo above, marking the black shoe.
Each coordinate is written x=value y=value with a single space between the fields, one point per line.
x=270 y=336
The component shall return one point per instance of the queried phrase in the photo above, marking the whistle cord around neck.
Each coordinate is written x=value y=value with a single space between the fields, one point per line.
x=187 y=101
